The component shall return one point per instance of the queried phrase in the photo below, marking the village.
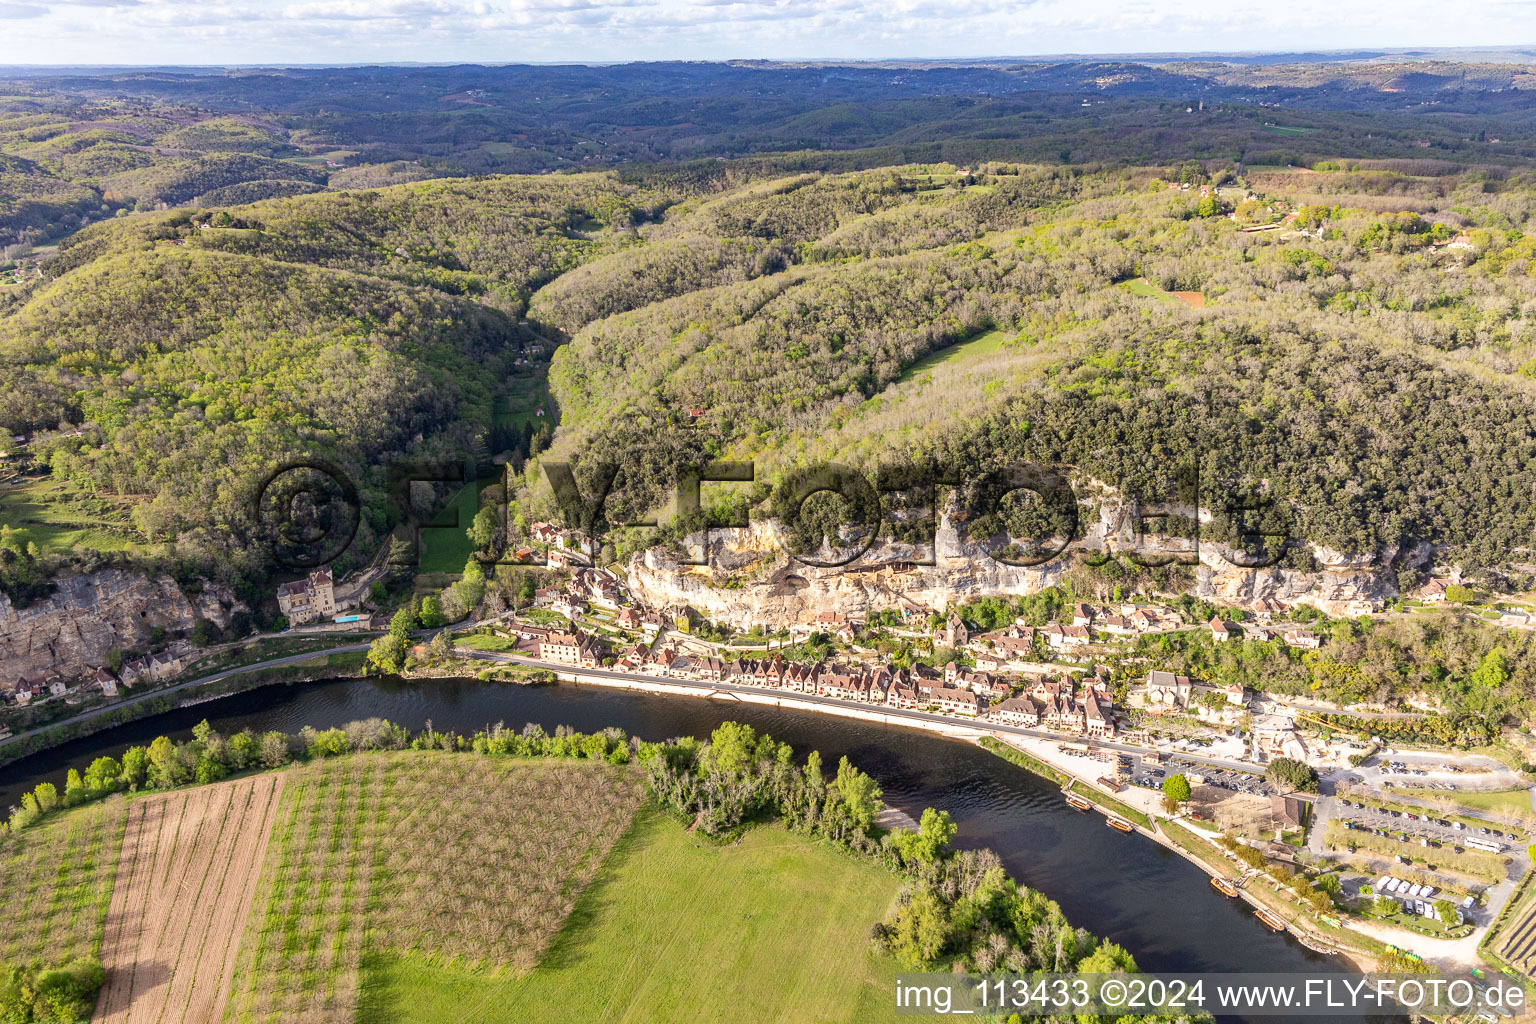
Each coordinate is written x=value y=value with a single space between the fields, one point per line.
x=1076 y=699
x=1055 y=676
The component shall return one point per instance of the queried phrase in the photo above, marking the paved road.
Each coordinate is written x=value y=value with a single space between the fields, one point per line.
x=810 y=698
x=200 y=681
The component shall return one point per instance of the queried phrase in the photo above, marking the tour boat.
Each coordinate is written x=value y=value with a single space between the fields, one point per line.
x=1076 y=801
x=1224 y=887
x=1270 y=920
x=1120 y=824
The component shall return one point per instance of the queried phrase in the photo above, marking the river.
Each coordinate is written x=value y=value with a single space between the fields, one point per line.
x=1126 y=888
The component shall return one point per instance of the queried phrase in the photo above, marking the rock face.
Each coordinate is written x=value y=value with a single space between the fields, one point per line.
x=90 y=615
x=750 y=579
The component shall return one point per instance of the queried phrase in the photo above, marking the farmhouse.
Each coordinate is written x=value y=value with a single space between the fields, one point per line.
x=1222 y=631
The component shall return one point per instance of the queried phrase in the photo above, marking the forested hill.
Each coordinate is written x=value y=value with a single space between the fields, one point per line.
x=176 y=359
x=1374 y=377
x=1354 y=340
x=76 y=147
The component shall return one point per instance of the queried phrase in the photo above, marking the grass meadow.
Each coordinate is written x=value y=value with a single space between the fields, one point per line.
x=774 y=927
x=970 y=350
x=58 y=519
x=445 y=545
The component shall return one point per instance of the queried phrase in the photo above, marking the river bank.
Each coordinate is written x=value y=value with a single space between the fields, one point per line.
x=1059 y=761
x=334 y=664
x=1140 y=895
x=1054 y=758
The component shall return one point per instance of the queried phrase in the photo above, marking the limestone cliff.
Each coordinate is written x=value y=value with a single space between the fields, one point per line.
x=87 y=616
x=751 y=580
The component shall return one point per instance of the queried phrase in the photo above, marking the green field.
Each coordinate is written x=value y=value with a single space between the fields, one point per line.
x=984 y=344
x=56 y=883
x=673 y=929
x=520 y=406
x=1146 y=289
x=57 y=518
x=445 y=547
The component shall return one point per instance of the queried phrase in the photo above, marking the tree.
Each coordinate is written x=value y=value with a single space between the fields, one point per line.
x=1176 y=789
x=1298 y=775
x=931 y=840
x=103 y=774
x=165 y=768
x=1107 y=958
x=135 y=767
x=387 y=653
x=274 y=749
x=732 y=749
x=47 y=796
x=482 y=531
x=431 y=611
x=860 y=794
x=242 y=750
x=401 y=624
x=1445 y=910
x=920 y=930
x=1458 y=594
x=74 y=788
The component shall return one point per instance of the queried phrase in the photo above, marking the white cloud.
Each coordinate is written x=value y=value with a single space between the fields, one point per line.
x=318 y=31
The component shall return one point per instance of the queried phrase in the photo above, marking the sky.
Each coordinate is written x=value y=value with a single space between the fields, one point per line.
x=138 y=32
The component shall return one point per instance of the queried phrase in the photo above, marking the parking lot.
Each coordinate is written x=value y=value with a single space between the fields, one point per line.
x=1424 y=828
x=1149 y=774
x=1425 y=770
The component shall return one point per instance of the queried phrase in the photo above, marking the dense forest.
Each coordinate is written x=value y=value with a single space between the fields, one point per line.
x=77 y=147
x=1377 y=381
x=1368 y=377
x=180 y=358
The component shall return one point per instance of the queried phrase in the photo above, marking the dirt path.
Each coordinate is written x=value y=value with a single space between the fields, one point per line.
x=187 y=871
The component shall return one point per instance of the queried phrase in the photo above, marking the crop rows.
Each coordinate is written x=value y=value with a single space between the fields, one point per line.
x=524 y=843
x=56 y=884
x=463 y=858
x=302 y=952
x=186 y=875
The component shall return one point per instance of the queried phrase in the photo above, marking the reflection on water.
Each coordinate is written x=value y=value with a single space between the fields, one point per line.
x=1126 y=888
